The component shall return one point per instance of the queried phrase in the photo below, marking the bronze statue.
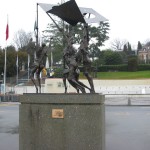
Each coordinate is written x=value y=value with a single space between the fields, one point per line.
x=71 y=71
x=82 y=56
x=37 y=66
x=76 y=75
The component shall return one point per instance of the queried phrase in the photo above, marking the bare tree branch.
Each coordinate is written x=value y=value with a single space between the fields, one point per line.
x=117 y=44
x=21 y=38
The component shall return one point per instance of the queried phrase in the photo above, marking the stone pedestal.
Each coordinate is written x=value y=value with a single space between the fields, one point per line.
x=61 y=122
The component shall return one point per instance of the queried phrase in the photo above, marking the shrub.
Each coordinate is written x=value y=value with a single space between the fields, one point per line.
x=132 y=63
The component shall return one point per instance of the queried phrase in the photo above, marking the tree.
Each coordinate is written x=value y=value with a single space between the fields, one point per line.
x=11 y=68
x=1 y=61
x=97 y=35
x=118 y=44
x=11 y=61
x=54 y=38
x=21 y=38
x=22 y=59
x=139 y=46
x=112 y=57
x=132 y=63
x=25 y=45
x=127 y=49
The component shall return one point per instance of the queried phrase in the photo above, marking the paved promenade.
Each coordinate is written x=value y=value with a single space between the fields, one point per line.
x=127 y=127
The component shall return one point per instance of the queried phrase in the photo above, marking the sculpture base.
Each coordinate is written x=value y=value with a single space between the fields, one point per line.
x=61 y=122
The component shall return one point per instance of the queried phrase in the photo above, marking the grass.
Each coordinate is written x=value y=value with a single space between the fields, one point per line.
x=123 y=75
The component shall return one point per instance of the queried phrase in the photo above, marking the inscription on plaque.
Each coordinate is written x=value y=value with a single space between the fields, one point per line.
x=57 y=113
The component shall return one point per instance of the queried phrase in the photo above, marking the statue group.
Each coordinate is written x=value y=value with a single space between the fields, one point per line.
x=72 y=58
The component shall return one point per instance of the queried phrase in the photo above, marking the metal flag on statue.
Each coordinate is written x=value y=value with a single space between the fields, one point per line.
x=68 y=12
x=72 y=14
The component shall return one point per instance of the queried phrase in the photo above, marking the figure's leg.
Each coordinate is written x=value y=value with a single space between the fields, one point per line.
x=84 y=85
x=77 y=79
x=32 y=77
x=89 y=78
x=38 y=77
x=72 y=79
x=74 y=85
x=77 y=85
x=64 y=81
x=65 y=76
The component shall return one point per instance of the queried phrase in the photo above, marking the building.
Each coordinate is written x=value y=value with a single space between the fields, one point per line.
x=144 y=54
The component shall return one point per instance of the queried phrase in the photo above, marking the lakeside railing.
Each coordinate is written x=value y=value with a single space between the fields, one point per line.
x=127 y=99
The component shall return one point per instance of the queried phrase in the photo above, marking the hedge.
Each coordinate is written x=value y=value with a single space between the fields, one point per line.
x=105 y=68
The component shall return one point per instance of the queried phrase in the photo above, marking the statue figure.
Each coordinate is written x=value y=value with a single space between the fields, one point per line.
x=38 y=65
x=71 y=71
x=82 y=56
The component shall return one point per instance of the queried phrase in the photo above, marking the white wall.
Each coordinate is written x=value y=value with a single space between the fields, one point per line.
x=55 y=85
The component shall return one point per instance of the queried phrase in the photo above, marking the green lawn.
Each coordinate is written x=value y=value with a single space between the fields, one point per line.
x=124 y=75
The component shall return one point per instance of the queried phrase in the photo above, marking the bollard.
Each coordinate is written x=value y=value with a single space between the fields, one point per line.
x=129 y=101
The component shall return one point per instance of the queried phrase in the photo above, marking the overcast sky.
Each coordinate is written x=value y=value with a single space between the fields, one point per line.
x=129 y=19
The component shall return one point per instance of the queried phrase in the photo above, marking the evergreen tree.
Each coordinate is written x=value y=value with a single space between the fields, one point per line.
x=139 y=46
x=129 y=48
x=125 y=49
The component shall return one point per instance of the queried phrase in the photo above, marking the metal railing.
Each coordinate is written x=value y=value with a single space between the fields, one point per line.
x=127 y=99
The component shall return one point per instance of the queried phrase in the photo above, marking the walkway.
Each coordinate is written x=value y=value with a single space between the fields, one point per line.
x=127 y=127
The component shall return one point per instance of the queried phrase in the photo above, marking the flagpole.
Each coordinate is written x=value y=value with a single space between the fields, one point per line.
x=7 y=35
x=28 y=65
x=5 y=71
x=17 y=70
x=36 y=36
x=37 y=29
